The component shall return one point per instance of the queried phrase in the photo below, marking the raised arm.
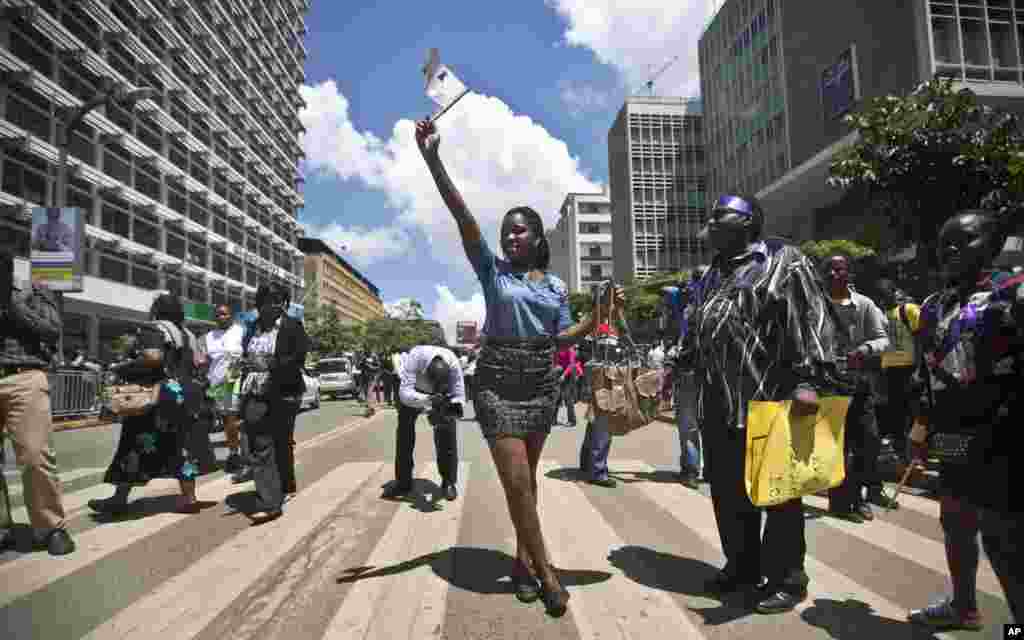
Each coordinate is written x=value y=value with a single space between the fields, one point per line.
x=429 y=140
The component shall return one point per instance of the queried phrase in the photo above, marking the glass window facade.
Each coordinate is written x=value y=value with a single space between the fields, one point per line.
x=979 y=40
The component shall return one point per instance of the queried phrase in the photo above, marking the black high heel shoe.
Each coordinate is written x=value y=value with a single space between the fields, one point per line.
x=555 y=602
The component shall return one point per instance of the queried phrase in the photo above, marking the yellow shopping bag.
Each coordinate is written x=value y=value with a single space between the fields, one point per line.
x=789 y=456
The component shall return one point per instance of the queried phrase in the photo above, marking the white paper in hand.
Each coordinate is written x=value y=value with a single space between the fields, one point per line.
x=442 y=86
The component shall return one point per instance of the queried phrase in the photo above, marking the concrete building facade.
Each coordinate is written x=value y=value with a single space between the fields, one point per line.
x=581 y=242
x=194 y=191
x=656 y=167
x=338 y=284
x=777 y=77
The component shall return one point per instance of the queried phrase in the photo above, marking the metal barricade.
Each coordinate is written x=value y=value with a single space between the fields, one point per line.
x=75 y=393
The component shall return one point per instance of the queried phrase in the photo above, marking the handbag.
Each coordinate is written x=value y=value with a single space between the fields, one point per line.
x=788 y=455
x=131 y=400
x=948 y=447
x=625 y=394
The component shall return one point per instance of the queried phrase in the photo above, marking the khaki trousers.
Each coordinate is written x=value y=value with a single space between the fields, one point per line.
x=25 y=419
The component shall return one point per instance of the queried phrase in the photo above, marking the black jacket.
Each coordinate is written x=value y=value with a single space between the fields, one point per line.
x=289 y=357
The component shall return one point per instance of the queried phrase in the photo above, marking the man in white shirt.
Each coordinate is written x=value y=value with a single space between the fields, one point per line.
x=430 y=379
x=223 y=347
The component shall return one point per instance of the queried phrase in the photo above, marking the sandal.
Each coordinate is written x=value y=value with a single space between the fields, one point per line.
x=555 y=602
x=526 y=585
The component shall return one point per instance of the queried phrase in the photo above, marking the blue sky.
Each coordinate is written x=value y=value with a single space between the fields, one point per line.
x=548 y=77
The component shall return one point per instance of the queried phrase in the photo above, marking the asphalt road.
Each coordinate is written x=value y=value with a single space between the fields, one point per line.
x=342 y=563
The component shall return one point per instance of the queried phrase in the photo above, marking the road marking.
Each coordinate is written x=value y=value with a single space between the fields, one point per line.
x=409 y=604
x=927 y=506
x=904 y=543
x=186 y=603
x=76 y=503
x=30 y=572
x=579 y=537
x=695 y=512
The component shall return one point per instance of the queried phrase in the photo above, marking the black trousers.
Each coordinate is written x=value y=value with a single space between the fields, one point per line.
x=779 y=555
x=862 y=446
x=894 y=417
x=445 y=446
x=273 y=453
x=1003 y=536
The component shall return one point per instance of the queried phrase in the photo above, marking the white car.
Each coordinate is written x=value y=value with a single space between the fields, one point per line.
x=337 y=377
x=310 y=399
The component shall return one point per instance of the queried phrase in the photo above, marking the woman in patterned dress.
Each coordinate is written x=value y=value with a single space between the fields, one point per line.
x=154 y=445
x=970 y=360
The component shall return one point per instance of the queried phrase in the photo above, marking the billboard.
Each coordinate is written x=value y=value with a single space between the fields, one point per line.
x=56 y=248
x=465 y=332
x=840 y=87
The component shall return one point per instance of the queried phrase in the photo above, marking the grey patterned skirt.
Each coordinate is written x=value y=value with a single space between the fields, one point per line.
x=517 y=387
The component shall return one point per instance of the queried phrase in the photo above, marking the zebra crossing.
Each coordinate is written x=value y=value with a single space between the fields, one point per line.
x=342 y=563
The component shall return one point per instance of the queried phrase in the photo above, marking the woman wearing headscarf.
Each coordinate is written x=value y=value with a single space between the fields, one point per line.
x=970 y=362
x=762 y=329
x=274 y=350
x=155 y=445
x=517 y=386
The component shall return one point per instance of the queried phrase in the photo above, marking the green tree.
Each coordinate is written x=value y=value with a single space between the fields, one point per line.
x=820 y=249
x=923 y=156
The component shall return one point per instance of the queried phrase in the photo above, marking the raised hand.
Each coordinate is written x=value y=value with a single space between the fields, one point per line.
x=427 y=137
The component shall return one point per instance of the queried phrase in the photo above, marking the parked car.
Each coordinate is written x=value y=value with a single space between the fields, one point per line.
x=337 y=377
x=310 y=399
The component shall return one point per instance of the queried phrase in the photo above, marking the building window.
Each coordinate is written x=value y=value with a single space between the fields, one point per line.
x=144 y=277
x=112 y=268
x=196 y=290
x=595 y=272
x=975 y=42
x=595 y=251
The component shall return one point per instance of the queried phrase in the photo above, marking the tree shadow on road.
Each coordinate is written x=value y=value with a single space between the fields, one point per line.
x=853 y=619
x=475 y=569
x=675 y=574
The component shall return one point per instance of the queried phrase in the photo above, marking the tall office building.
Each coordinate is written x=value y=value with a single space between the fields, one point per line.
x=777 y=76
x=194 y=191
x=581 y=241
x=657 y=174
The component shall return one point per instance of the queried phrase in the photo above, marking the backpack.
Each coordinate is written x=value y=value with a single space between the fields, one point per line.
x=34 y=311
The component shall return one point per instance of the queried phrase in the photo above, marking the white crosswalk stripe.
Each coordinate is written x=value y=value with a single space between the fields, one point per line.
x=401 y=589
x=16 y=488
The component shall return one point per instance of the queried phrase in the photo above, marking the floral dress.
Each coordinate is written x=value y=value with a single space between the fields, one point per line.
x=154 y=445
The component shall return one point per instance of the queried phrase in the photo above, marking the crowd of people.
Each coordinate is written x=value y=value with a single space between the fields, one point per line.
x=761 y=322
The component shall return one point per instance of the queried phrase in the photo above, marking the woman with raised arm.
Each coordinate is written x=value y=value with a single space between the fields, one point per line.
x=517 y=384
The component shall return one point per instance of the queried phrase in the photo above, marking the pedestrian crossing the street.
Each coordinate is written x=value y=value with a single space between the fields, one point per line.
x=343 y=563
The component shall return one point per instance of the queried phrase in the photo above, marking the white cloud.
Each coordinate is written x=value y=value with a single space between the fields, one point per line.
x=639 y=36
x=363 y=245
x=496 y=158
x=583 y=98
x=448 y=310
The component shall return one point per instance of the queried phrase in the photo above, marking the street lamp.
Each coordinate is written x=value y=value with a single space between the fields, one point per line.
x=108 y=96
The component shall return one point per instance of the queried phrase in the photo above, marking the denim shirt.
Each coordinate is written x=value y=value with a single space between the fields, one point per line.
x=517 y=307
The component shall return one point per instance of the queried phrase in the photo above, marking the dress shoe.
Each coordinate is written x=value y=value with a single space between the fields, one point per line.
x=449 y=491
x=262 y=517
x=781 y=601
x=7 y=541
x=111 y=505
x=556 y=602
x=233 y=463
x=728 y=582
x=396 y=491
x=604 y=482
x=245 y=475
x=58 y=543
x=526 y=586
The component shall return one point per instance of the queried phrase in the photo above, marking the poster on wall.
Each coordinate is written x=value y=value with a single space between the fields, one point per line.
x=840 y=86
x=56 y=248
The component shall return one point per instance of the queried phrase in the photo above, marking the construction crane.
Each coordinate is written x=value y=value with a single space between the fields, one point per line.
x=657 y=74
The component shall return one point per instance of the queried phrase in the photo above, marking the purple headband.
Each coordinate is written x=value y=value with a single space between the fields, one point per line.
x=735 y=203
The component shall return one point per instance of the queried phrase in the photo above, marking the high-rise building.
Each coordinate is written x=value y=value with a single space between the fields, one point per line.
x=777 y=76
x=657 y=175
x=338 y=284
x=194 y=191
x=581 y=242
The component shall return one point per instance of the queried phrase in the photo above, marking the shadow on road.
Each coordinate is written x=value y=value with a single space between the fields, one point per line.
x=483 y=571
x=574 y=474
x=675 y=574
x=146 y=507
x=425 y=496
x=849 y=619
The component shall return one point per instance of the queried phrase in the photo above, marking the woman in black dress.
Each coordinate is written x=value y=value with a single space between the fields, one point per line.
x=155 y=445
